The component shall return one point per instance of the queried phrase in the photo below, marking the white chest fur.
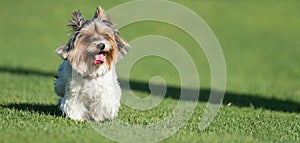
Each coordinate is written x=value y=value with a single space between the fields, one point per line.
x=90 y=98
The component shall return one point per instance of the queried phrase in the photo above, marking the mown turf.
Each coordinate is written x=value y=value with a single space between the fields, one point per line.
x=261 y=48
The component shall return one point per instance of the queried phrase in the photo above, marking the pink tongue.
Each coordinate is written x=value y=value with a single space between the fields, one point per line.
x=99 y=59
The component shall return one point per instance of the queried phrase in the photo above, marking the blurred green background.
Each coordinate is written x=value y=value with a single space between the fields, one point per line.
x=260 y=41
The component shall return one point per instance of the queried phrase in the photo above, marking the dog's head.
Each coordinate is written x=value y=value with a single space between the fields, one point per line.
x=93 y=43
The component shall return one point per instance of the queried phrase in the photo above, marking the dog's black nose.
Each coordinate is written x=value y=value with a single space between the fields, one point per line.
x=101 y=46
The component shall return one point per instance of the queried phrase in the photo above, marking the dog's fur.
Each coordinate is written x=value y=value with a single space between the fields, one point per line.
x=90 y=91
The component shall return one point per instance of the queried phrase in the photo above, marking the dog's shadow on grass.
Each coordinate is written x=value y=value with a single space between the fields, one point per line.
x=26 y=71
x=230 y=98
x=46 y=109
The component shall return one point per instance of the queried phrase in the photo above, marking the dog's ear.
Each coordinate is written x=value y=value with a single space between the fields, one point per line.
x=62 y=51
x=100 y=14
x=123 y=46
x=77 y=21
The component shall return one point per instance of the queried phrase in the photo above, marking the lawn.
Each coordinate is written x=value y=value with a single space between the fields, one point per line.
x=259 y=39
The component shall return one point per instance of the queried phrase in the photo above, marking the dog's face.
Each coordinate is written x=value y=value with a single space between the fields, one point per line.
x=93 y=43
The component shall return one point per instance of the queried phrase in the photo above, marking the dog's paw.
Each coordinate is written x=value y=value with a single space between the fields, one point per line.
x=104 y=111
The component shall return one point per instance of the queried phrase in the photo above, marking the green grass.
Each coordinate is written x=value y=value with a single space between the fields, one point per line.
x=260 y=41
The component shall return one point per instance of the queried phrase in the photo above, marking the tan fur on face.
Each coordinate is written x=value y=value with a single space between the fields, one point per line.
x=85 y=36
x=111 y=54
x=85 y=47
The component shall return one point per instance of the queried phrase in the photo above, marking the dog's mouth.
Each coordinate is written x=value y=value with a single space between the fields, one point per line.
x=100 y=57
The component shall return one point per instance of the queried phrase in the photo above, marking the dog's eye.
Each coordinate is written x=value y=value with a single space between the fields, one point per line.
x=87 y=39
x=105 y=36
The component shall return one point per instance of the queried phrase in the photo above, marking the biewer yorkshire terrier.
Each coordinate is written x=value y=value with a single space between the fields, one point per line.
x=87 y=82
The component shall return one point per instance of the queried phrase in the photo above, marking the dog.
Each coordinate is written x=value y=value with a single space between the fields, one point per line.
x=87 y=83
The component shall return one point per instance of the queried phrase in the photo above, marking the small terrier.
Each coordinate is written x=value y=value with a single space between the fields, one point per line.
x=87 y=81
